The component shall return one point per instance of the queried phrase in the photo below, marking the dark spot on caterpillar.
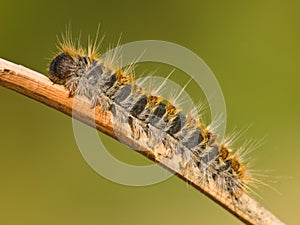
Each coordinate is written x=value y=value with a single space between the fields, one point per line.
x=214 y=176
x=192 y=140
x=62 y=67
x=123 y=94
x=110 y=81
x=130 y=122
x=83 y=60
x=113 y=109
x=177 y=124
x=139 y=106
x=158 y=113
x=211 y=155
x=229 y=188
x=94 y=75
x=165 y=121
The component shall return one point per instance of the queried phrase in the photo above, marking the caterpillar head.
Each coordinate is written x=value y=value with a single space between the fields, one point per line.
x=62 y=67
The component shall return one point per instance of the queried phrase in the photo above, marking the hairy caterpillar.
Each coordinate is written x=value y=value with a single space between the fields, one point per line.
x=151 y=119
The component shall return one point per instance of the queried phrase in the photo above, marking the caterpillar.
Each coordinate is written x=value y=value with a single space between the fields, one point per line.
x=150 y=118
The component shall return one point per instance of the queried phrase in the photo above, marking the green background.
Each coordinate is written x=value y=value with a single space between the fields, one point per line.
x=251 y=46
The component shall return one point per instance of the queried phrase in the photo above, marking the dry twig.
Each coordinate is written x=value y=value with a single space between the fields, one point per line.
x=40 y=88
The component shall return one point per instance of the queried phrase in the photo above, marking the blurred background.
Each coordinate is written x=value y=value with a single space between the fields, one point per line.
x=251 y=46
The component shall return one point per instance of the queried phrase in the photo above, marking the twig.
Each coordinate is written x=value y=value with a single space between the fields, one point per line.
x=40 y=88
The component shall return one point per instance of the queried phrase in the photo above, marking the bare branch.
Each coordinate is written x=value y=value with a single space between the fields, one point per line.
x=40 y=88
